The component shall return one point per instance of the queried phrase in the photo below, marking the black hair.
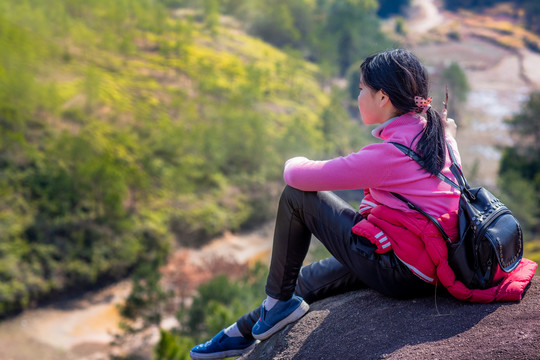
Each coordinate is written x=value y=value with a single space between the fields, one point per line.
x=401 y=76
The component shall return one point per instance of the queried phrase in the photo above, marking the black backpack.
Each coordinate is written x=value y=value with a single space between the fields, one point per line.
x=488 y=232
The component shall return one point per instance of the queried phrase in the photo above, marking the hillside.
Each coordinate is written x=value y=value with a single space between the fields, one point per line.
x=128 y=127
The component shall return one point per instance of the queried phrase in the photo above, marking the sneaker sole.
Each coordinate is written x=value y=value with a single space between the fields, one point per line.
x=221 y=354
x=292 y=317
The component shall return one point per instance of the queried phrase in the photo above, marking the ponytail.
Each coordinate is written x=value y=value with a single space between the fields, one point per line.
x=432 y=145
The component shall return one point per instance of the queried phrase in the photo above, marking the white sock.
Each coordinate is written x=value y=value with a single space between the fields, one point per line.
x=270 y=302
x=233 y=331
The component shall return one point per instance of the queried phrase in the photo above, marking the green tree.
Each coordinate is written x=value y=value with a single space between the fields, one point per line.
x=521 y=196
x=275 y=24
x=354 y=29
x=458 y=87
x=211 y=15
x=531 y=10
x=337 y=126
x=519 y=172
x=146 y=300
x=172 y=346
x=221 y=301
x=527 y=126
x=146 y=303
x=120 y=123
x=400 y=27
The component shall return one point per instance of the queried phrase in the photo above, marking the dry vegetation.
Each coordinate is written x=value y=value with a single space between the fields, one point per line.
x=500 y=25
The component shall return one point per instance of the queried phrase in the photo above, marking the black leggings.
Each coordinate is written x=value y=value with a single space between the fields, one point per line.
x=353 y=265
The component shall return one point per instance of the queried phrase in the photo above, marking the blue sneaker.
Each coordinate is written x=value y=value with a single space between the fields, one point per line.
x=222 y=346
x=275 y=319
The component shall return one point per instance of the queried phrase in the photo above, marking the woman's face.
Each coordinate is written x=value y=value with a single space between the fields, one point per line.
x=368 y=105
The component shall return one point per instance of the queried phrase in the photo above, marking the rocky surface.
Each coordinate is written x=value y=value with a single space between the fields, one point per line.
x=367 y=325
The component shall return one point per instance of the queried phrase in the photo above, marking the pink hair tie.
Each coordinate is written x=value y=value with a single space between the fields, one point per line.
x=422 y=104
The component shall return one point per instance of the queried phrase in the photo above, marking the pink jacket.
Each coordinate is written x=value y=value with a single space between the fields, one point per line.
x=418 y=244
x=382 y=168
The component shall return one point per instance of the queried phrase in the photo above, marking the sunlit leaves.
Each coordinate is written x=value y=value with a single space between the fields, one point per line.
x=125 y=125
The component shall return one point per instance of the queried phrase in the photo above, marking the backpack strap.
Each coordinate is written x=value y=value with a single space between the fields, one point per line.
x=458 y=173
x=413 y=155
x=430 y=217
x=461 y=179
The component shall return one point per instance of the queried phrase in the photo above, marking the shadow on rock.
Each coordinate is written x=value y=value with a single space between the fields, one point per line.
x=366 y=325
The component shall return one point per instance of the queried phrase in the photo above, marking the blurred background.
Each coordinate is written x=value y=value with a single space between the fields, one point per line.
x=142 y=144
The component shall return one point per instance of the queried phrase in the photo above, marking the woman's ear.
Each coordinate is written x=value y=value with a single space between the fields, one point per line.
x=386 y=105
x=383 y=99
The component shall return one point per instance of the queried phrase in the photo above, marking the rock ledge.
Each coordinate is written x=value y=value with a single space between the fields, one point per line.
x=367 y=325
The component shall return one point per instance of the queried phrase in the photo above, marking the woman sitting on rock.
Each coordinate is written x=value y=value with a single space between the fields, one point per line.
x=383 y=244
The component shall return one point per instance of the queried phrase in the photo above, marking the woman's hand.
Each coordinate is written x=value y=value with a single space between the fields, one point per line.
x=450 y=126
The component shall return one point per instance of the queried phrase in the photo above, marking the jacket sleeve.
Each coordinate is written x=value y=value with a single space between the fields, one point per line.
x=364 y=169
x=374 y=234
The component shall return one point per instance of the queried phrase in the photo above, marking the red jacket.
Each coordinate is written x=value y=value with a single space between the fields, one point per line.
x=420 y=246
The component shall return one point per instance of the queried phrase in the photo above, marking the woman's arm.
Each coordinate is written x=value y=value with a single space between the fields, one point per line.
x=364 y=169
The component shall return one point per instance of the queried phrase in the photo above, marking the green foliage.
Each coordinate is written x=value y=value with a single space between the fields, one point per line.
x=221 y=302
x=532 y=250
x=276 y=25
x=527 y=126
x=317 y=251
x=211 y=15
x=335 y=33
x=400 y=27
x=125 y=125
x=218 y=304
x=458 y=88
x=147 y=298
x=337 y=126
x=519 y=172
x=88 y=175
x=172 y=347
x=353 y=28
x=521 y=196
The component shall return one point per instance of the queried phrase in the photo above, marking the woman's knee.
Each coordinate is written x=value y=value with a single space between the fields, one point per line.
x=292 y=198
x=291 y=193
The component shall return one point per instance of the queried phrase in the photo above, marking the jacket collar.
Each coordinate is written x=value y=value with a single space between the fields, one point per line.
x=390 y=126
